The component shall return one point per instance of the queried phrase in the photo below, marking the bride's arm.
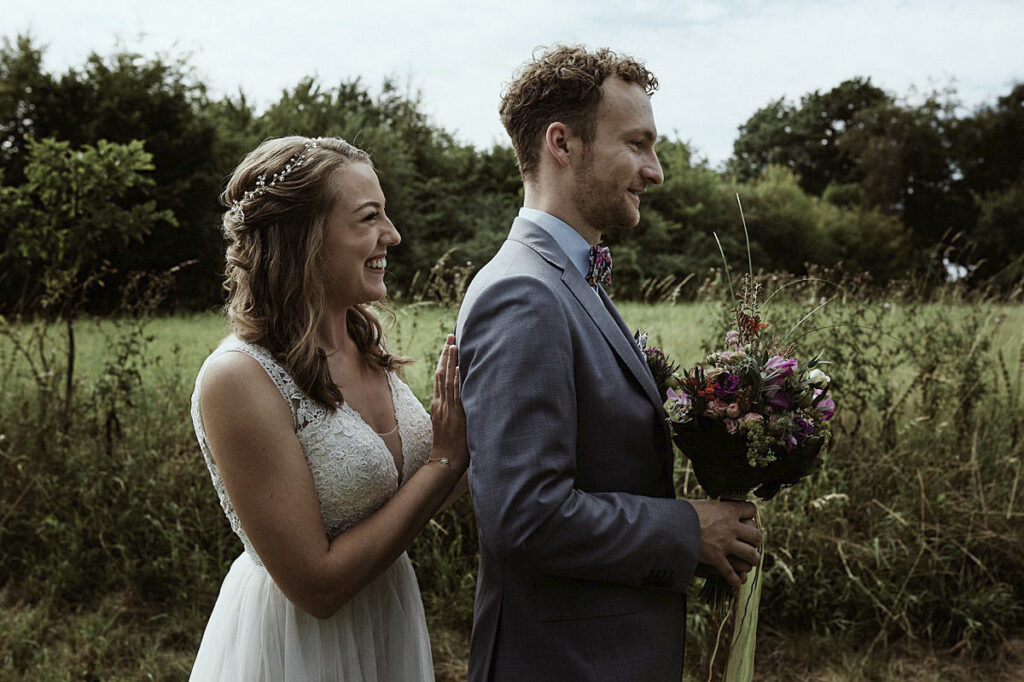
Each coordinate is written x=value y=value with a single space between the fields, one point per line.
x=251 y=436
x=460 y=489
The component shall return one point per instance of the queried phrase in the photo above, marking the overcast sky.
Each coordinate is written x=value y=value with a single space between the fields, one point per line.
x=717 y=61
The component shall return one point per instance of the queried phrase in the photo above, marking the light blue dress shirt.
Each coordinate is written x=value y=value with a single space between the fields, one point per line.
x=568 y=239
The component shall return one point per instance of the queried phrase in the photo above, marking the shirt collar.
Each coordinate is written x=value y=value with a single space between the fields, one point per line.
x=567 y=238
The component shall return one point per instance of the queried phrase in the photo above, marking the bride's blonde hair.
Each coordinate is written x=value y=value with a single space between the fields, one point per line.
x=278 y=202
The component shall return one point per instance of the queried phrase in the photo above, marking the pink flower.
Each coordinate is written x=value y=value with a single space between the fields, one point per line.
x=750 y=419
x=715 y=409
x=731 y=425
x=782 y=367
x=825 y=406
x=733 y=411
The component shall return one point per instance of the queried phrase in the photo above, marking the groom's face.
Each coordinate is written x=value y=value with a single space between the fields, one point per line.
x=620 y=162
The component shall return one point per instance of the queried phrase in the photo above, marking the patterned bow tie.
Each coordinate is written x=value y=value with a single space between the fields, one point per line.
x=600 y=271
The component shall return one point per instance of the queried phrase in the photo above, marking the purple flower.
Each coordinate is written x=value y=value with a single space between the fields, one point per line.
x=677 y=406
x=782 y=367
x=779 y=399
x=803 y=428
x=727 y=386
x=826 y=405
x=678 y=397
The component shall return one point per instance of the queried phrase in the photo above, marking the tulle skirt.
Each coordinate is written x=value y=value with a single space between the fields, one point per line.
x=255 y=634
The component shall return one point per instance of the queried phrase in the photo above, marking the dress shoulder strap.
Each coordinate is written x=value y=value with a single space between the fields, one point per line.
x=302 y=408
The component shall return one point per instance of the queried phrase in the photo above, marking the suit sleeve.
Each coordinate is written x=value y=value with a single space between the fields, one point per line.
x=517 y=365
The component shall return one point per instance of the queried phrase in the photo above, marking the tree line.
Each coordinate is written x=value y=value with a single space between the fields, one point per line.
x=115 y=166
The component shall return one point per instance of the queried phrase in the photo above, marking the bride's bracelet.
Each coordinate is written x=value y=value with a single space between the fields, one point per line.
x=447 y=463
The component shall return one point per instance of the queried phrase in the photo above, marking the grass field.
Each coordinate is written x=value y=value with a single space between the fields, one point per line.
x=902 y=560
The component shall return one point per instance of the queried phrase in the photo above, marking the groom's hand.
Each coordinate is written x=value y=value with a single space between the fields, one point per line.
x=741 y=567
x=727 y=541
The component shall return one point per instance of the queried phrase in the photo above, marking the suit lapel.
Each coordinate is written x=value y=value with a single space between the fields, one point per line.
x=645 y=377
x=600 y=310
x=604 y=316
x=615 y=332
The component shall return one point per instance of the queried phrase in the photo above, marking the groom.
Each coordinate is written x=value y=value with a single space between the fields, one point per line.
x=584 y=552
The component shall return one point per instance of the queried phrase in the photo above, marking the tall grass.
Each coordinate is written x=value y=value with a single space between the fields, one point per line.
x=114 y=546
x=913 y=531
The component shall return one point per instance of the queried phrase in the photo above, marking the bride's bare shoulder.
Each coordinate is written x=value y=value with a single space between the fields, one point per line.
x=235 y=384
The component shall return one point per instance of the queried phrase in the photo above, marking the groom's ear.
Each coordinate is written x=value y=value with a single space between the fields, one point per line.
x=559 y=143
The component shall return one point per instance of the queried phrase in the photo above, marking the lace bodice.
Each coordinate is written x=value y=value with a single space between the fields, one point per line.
x=353 y=471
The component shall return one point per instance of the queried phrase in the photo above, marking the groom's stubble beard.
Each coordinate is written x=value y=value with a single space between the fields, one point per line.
x=600 y=201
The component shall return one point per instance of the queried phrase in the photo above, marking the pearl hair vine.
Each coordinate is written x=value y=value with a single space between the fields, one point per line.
x=262 y=186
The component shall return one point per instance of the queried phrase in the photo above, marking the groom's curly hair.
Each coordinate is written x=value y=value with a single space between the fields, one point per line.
x=562 y=84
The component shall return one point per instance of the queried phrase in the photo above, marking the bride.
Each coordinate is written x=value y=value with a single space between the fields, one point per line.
x=325 y=463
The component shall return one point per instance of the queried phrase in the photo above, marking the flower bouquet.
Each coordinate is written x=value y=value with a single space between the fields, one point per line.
x=754 y=418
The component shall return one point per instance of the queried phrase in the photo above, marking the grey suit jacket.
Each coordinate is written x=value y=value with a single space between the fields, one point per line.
x=584 y=552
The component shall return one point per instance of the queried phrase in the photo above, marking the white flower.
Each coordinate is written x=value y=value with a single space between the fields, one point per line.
x=818 y=378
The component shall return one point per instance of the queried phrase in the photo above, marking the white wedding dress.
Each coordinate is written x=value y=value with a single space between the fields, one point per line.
x=255 y=634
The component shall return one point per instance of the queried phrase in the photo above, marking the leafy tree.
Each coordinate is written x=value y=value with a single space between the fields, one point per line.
x=121 y=98
x=991 y=144
x=999 y=237
x=847 y=175
x=76 y=208
x=791 y=230
x=26 y=94
x=908 y=166
x=866 y=152
x=127 y=97
x=804 y=138
x=990 y=153
x=786 y=222
x=788 y=227
x=866 y=240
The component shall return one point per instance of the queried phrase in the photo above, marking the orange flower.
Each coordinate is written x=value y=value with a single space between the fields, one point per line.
x=751 y=325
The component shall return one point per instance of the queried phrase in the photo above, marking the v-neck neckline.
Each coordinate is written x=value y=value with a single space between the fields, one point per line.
x=399 y=470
